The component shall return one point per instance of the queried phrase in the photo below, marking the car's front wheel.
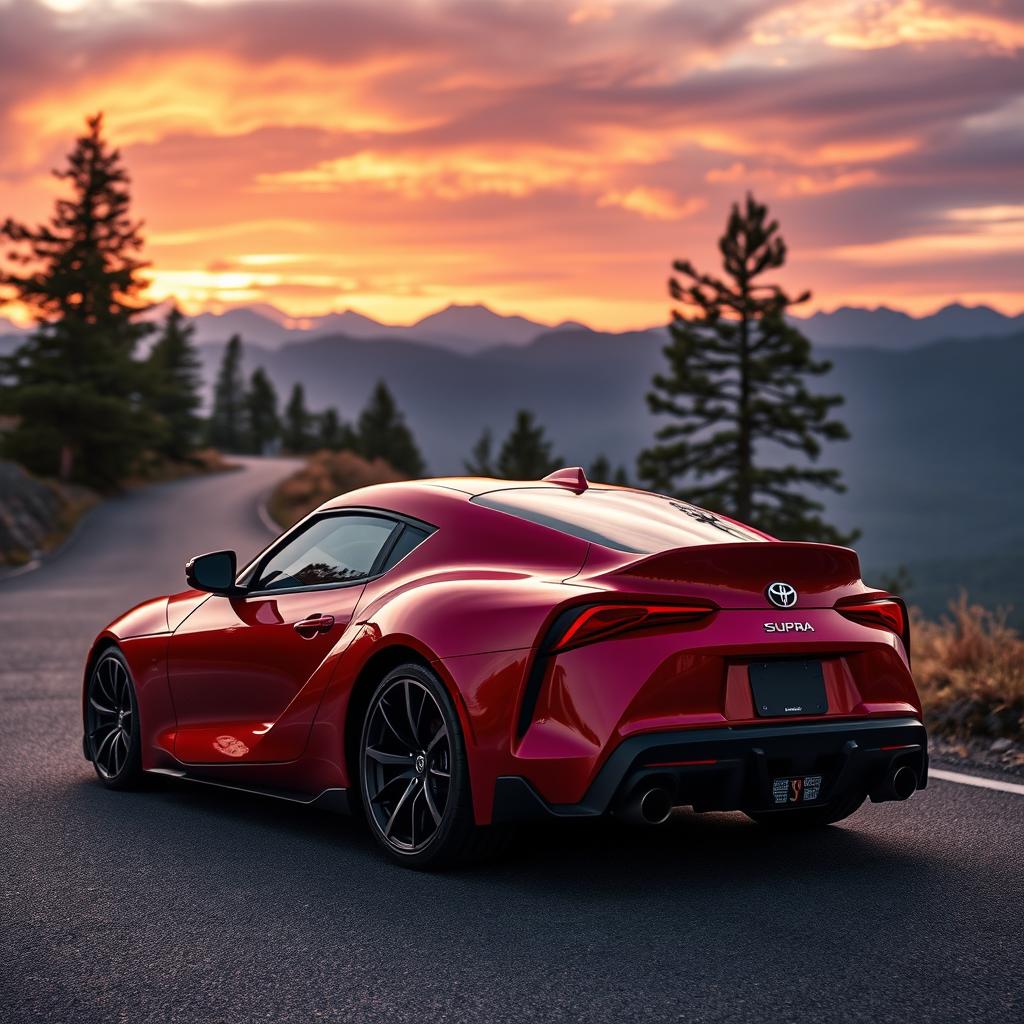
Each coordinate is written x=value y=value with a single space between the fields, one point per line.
x=414 y=776
x=112 y=722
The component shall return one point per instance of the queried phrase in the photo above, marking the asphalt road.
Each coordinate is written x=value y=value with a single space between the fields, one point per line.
x=185 y=904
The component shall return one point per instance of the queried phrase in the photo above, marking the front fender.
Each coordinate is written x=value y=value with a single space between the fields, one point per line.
x=144 y=619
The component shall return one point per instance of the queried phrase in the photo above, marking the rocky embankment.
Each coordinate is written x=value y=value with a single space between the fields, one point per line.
x=35 y=515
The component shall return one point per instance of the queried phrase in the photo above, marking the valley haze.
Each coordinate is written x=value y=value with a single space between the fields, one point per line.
x=933 y=466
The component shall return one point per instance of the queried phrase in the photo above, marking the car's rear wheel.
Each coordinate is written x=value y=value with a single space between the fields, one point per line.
x=414 y=776
x=810 y=817
x=112 y=722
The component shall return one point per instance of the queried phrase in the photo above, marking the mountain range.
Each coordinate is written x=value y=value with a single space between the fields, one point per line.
x=475 y=328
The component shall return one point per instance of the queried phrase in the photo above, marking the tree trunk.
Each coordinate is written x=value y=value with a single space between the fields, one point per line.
x=67 y=461
x=744 y=444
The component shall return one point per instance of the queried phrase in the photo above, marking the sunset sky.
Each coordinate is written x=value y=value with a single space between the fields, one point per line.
x=548 y=158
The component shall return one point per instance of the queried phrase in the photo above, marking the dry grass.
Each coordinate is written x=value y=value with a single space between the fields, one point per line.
x=325 y=474
x=969 y=669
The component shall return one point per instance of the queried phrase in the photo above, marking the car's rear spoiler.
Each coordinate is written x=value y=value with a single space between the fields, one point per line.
x=737 y=574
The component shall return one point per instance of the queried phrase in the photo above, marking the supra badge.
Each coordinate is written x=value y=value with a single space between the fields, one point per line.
x=788 y=627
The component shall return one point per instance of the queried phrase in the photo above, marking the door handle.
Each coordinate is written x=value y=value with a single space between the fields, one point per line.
x=313 y=625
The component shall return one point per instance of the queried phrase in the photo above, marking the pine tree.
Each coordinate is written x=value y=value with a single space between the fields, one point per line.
x=74 y=384
x=334 y=433
x=328 y=426
x=526 y=453
x=601 y=472
x=736 y=385
x=226 y=426
x=481 y=458
x=173 y=386
x=295 y=433
x=382 y=433
x=262 y=424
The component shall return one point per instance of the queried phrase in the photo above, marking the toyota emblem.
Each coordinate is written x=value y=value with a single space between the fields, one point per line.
x=782 y=595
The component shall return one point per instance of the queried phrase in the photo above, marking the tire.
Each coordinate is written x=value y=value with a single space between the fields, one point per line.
x=112 y=722
x=414 y=776
x=809 y=817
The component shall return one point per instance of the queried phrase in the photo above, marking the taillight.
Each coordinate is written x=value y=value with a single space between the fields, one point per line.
x=599 y=622
x=888 y=612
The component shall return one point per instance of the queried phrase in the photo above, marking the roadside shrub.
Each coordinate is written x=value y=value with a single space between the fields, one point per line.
x=969 y=669
x=325 y=474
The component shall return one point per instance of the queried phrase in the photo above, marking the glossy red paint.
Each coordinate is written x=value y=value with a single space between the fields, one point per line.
x=246 y=683
x=229 y=691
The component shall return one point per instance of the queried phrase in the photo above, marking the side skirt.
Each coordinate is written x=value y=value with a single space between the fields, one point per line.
x=336 y=800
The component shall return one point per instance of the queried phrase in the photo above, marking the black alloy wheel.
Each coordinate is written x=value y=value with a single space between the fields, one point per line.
x=414 y=774
x=407 y=765
x=112 y=722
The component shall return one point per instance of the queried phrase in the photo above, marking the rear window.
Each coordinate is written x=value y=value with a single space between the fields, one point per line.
x=632 y=521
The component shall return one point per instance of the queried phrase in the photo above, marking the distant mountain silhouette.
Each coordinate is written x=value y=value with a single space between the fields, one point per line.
x=891 y=329
x=475 y=328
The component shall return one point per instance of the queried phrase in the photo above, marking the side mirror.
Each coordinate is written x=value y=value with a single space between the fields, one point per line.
x=214 y=572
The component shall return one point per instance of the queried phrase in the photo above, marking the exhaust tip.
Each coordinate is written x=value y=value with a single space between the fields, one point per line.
x=903 y=783
x=656 y=806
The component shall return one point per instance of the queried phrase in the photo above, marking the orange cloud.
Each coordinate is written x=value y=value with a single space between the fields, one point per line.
x=654 y=203
x=540 y=157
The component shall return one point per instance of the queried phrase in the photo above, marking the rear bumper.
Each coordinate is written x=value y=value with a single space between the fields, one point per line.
x=732 y=768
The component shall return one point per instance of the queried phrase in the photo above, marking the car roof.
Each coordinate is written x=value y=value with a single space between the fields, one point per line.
x=572 y=478
x=623 y=518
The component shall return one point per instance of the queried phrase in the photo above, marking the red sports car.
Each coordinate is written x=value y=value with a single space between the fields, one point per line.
x=450 y=656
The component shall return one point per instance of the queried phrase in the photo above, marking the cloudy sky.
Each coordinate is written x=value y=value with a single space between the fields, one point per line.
x=548 y=157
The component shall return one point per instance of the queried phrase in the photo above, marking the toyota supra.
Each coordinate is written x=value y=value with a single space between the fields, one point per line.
x=449 y=657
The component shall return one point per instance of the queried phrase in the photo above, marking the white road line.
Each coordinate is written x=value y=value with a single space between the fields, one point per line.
x=975 y=780
x=21 y=569
x=263 y=514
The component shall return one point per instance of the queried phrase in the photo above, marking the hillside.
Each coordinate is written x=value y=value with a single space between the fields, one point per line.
x=934 y=465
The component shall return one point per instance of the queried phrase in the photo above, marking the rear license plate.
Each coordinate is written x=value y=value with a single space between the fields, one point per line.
x=797 y=789
x=788 y=688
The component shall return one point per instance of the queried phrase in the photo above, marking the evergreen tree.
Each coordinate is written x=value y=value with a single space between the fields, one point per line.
x=601 y=472
x=296 y=433
x=382 y=433
x=334 y=432
x=526 y=453
x=328 y=427
x=481 y=458
x=737 y=381
x=263 y=426
x=226 y=426
x=74 y=384
x=173 y=386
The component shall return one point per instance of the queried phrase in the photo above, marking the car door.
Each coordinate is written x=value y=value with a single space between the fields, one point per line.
x=243 y=671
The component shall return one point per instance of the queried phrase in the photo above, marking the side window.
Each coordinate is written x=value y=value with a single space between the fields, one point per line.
x=335 y=549
x=411 y=537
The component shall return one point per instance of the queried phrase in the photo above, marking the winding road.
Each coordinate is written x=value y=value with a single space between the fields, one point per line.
x=186 y=904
